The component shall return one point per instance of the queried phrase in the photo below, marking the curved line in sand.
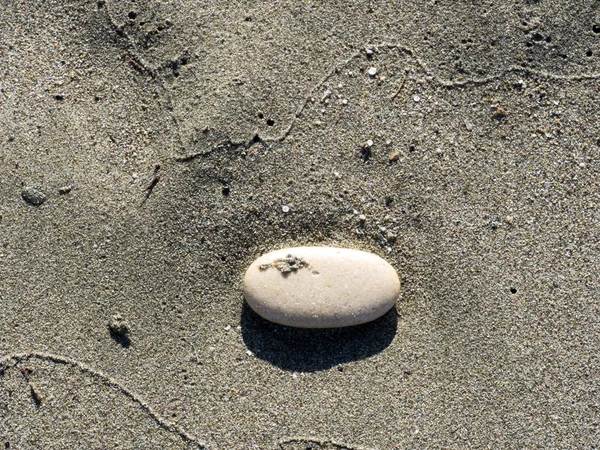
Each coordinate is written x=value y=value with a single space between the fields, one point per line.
x=108 y=381
x=307 y=440
x=16 y=358
x=385 y=45
x=430 y=73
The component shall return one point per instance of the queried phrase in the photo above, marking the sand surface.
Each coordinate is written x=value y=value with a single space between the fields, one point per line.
x=481 y=188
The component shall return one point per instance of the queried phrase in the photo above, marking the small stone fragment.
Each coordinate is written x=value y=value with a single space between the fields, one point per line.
x=321 y=287
x=33 y=196
x=394 y=156
x=119 y=330
x=118 y=325
x=285 y=208
x=498 y=112
x=372 y=71
x=65 y=189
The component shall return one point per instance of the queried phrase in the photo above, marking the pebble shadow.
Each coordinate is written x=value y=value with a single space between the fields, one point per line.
x=308 y=350
x=122 y=339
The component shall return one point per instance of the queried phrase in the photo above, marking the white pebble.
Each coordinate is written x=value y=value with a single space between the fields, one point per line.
x=372 y=71
x=416 y=98
x=285 y=208
x=321 y=287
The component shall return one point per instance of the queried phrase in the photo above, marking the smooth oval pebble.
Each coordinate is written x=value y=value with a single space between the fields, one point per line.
x=321 y=287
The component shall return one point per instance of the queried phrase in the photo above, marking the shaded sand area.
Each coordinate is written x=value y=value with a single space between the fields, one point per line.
x=481 y=187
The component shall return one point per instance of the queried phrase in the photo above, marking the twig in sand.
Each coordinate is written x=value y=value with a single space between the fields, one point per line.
x=153 y=183
x=393 y=97
x=133 y=62
x=155 y=179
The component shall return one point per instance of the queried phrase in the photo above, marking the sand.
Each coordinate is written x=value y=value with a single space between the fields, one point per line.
x=480 y=188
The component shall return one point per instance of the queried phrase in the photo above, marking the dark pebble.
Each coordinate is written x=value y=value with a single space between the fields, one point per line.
x=33 y=196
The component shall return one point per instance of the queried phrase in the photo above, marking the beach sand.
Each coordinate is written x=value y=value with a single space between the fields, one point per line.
x=481 y=187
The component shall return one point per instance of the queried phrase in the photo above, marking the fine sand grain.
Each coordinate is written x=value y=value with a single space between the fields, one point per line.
x=468 y=159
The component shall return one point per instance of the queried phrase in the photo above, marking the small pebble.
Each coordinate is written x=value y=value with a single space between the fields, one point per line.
x=416 y=98
x=33 y=196
x=326 y=287
x=285 y=208
x=119 y=329
x=394 y=156
x=65 y=189
x=369 y=143
x=372 y=71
